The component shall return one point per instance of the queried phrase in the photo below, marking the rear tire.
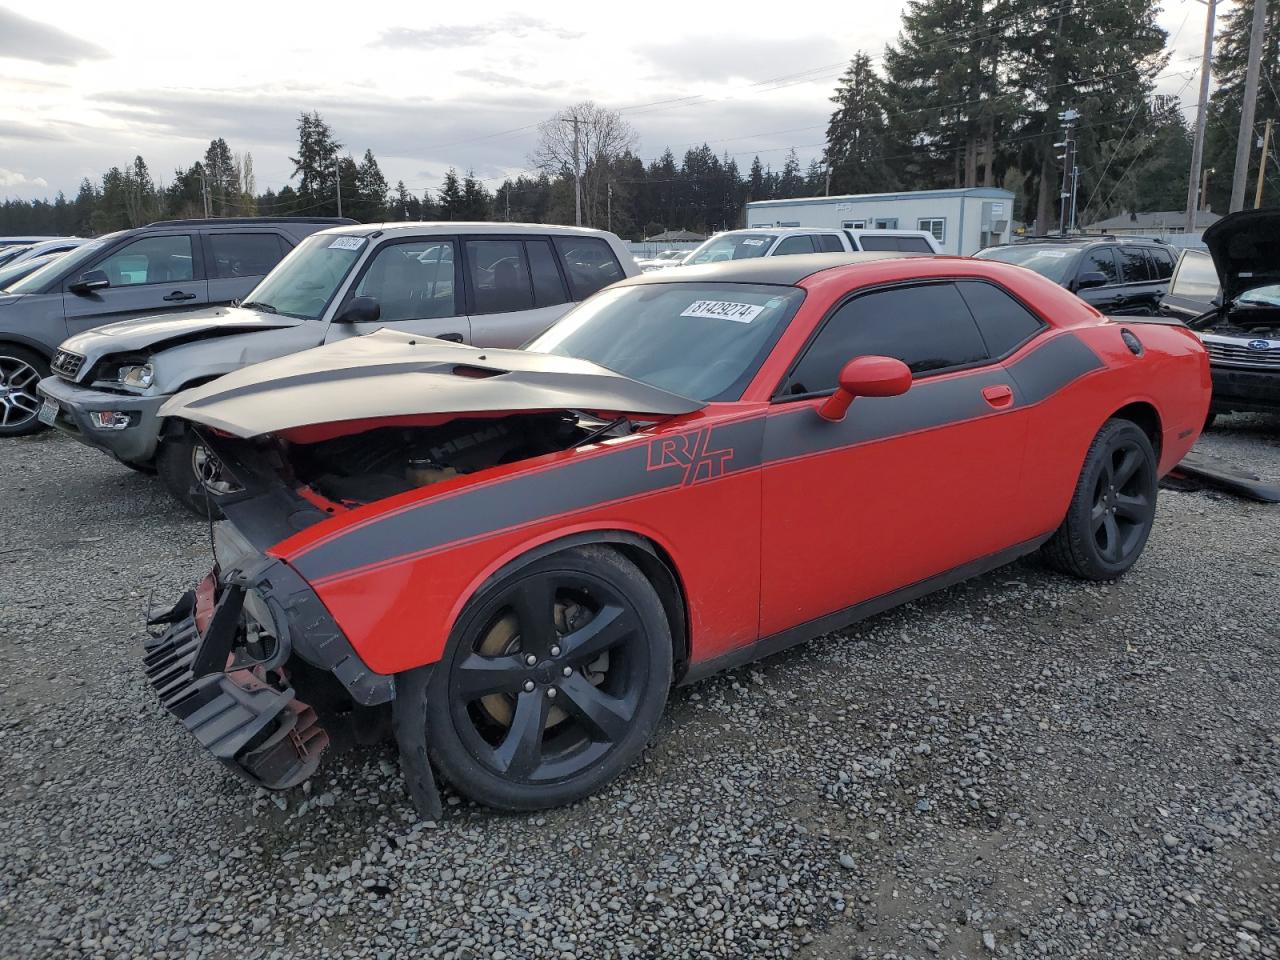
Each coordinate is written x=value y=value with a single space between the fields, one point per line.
x=20 y=371
x=179 y=464
x=525 y=736
x=1112 y=509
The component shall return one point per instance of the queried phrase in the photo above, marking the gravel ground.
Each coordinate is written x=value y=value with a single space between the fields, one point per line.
x=1020 y=766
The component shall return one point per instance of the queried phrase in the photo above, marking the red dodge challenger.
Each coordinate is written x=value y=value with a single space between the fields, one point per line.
x=507 y=557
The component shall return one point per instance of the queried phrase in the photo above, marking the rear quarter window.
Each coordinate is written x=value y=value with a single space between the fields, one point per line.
x=1003 y=322
x=589 y=264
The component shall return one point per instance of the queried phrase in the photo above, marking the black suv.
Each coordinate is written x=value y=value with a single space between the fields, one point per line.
x=164 y=266
x=1116 y=275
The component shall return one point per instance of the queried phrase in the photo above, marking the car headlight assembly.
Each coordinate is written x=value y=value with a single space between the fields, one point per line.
x=139 y=376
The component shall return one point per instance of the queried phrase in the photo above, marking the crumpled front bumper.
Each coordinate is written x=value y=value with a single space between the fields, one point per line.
x=242 y=707
x=136 y=443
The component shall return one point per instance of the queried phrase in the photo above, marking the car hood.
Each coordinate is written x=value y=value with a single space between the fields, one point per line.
x=170 y=329
x=393 y=374
x=1245 y=247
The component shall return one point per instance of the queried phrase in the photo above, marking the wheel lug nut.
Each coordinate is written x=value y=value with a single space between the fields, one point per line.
x=531 y=660
x=555 y=651
x=528 y=686
x=551 y=693
x=567 y=671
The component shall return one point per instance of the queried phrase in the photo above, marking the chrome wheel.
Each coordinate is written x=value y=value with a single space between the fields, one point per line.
x=208 y=471
x=19 y=402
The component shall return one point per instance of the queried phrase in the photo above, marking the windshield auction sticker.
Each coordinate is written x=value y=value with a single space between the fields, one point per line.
x=347 y=243
x=722 y=310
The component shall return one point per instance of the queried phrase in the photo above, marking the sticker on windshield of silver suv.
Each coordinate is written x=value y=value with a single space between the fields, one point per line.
x=722 y=310
x=347 y=243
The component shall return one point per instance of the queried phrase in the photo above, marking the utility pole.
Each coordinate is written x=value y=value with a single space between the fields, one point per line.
x=337 y=178
x=1244 y=139
x=1262 y=166
x=609 y=203
x=204 y=192
x=1070 y=172
x=577 y=173
x=1202 y=113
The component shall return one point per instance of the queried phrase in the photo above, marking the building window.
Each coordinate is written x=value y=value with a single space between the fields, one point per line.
x=854 y=224
x=788 y=223
x=935 y=225
x=886 y=223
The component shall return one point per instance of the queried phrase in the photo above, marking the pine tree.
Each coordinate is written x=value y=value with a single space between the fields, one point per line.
x=315 y=166
x=790 y=183
x=451 y=200
x=858 y=142
x=222 y=179
x=476 y=201
x=371 y=191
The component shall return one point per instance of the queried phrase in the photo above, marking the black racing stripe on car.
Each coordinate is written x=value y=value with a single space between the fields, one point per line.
x=639 y=468
x=929 y=403
x=1051 y=366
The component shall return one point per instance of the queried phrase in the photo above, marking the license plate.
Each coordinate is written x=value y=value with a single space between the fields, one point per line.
x=48 y=413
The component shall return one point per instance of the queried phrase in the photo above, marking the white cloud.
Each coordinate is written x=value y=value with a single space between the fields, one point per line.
x=14 y=178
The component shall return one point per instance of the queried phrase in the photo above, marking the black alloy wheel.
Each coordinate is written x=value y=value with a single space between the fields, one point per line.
x=553 y=681
x=1113 y=507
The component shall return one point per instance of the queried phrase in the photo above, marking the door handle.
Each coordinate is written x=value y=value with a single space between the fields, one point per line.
x=451 y=337
x=179 y=295
x=998 y=395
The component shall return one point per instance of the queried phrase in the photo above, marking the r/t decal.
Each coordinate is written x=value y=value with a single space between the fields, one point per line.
x=692 y=454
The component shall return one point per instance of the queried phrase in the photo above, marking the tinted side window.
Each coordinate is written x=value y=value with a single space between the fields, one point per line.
x=799 y=243
x=1002 y=320
x=1100 y=260
x=244 y=254
x=149 y=260
x=879 y=243
x=412 y=281
x=548 y=288
x=914 y=245
x=499 y=276
x=589 y=264
x=928 y=327
x=1163 y=260
x=829 y=243
x=1133 y=265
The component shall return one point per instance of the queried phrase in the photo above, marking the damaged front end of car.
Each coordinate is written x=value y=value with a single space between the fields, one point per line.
x=245 y=659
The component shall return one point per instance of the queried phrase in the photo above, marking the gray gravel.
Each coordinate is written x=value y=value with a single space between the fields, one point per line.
x=1020 y=766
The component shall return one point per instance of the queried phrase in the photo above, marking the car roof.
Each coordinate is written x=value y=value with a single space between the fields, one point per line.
x=450 y=227
x=727 y=233
x=787 y=271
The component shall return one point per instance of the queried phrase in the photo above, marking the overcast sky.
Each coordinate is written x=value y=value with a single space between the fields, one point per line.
x=84 y=86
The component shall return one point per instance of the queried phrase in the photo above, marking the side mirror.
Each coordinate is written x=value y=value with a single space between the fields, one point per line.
x=360 y=310
x=88 y=282
x=1094 y=278
x=866 y=377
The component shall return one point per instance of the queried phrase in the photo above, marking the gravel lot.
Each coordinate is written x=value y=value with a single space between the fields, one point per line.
x=1020 y=766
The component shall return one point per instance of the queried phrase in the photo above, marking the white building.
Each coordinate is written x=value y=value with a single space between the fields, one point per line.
x=963 y=221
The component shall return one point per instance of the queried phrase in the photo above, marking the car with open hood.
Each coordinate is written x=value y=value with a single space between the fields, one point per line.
x=511 y=555
x=164 y=267
x=484 y=283
x=1231 y=297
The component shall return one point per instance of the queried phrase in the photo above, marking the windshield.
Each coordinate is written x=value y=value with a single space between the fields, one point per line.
x=68 y=262
x=732 y=246
x=8 y=253
x=304 y=282
x=1052 y=262
x=703 y=341
x=1265 y=296
x=16 y=271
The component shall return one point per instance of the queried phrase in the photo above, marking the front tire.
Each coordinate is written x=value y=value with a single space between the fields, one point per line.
x=552 y=683
x=20 y=371
x=1112 y=509
x=188 y=469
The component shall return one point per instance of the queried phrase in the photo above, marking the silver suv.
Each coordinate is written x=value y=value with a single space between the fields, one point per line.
x=487 y=284
x=167 y=266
